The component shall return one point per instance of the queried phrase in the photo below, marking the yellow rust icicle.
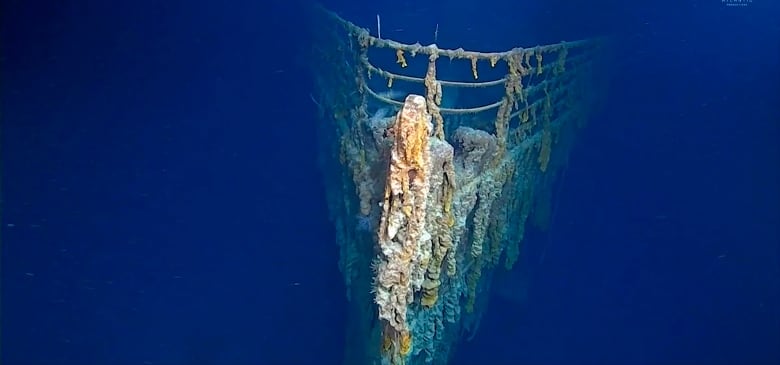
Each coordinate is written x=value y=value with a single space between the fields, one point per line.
x=402 y=225
x=399 y=58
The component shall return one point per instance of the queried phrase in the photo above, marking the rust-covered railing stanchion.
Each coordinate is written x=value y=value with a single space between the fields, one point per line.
x=433 y=95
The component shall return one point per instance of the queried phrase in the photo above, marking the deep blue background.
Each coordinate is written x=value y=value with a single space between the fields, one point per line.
x=162 y=202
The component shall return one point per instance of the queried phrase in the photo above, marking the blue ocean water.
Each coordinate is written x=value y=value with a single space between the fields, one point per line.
x=162 y=203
